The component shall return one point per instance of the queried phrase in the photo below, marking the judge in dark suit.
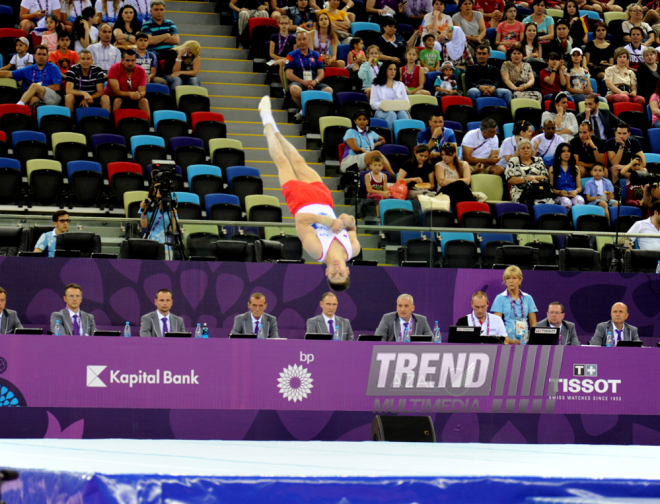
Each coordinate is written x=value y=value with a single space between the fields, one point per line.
x=602 y=121
x=8 y=318
x=73 y=321
x=328 y=322
x=248 y=323
x=161 y=321
x=617 y=326
x=393 y=325
x=556 y=319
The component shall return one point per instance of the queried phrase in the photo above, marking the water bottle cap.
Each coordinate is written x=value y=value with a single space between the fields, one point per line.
x=199 y=324
x=57 y=321
x=127 y=322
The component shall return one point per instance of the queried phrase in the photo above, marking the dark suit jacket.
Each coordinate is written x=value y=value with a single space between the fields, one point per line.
x=86 y=319
x=317 y=325
x=9 y=322
x=600 y=336
x=150 y=325
x=243 y=325
x=609 y=121
x=568 y=334
x=389 y=326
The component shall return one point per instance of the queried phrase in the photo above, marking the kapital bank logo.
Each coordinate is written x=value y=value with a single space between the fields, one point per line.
x=140 y=378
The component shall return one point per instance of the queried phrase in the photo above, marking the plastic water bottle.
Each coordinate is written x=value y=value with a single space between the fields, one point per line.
x=58 y=329
x=127 y=330
x=198 y=331
x=406 y=335
x=608 y=341
x=337 y=335
x=657 y=269
x=260 y=334
x=437 y=336
x=205 y=331
x=524 y=338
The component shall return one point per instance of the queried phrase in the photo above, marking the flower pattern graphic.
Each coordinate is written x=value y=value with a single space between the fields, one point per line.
x=295 y=383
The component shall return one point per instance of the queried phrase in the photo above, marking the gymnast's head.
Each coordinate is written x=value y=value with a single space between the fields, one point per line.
x=338 y=275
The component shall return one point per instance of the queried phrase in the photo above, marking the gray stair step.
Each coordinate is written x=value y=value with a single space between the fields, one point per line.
x=199 y=30
x=228 y=76
x=243 y=91
x=210 y=50
x=258 y=140
x=234 y=126
x=261 y=154
x=214 y=41
x=193 y=18
x=230 y=65
x=250 y=116
x=191 y=6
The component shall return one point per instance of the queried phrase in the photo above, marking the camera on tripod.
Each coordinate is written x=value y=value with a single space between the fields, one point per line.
x=163 y=172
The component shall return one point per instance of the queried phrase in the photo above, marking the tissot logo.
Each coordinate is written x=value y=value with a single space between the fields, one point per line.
x=158 y=377
x=93 y=379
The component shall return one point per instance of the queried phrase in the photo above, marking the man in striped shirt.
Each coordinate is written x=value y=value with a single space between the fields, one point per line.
x=163 y=34
x=84 y=84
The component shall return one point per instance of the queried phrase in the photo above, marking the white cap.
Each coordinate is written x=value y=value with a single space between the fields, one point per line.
x=24 y=40
x=576 y=49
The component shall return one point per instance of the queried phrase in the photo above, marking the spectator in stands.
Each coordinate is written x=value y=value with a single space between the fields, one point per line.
x=523 y=171
x=483 y=79
x=635 y=14
x=516 y=307
x=480 y=148
x=491 y=325
x=163 y=34
x=654 y=105
x=380 y=11
x=621 y=82
x=453 y=175
x=578 y=30
x=63 y=57
x=492 y=10
x=599 y=53
x=302 y=15
x=412 y=75
x=521 y=130
x=278 y=8
x=41 y=81
x=648 y=226
x=71 y=10
x=415 y=10
x=651 y=196
x=356 y=56
x=510 y=31
x=533 y=49
x=73 y=321
x=155 y=222
x=418 y=170
x=456 y=52
x=445 y=84
x=579 y=79
x=565 y=179
x=600 y=191
x=602 y=120
x=84 y=32
x=162 y=320
x=126 y=28
x=546 y=144
x=9 y=321
x=518 y=76
x=553 y=77
x=429 y=58
x=391 y=44
x=437 y=23
x=617 y=326
x=182 y=65
x=251 y=321
x=361 y=144
x=50 y=37
x=386 y=91
x=127 y=84
x=566 y=124
x=555 y=318
x=587 y=149
x=107 y=11
x=472 y=23
x=328 y=322
x=147 y=59
x=33 y=14
x=648 y=75
x=304 y=70
x=142 y=10
x=340 y=19
x=393 y=325
x=622 y=151
x=47 y=241
x=324 y=41
x=545 y=25
x=436 y=135
x=369 y=69
x=635 y=49
x=562 y=44
x=376 y=183
x=22 y=57
x=105 y=54
x=248 y=9
x=84 y=85
x=281 y=44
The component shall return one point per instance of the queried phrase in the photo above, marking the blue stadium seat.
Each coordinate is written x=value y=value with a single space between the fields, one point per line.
x=140 y=140
x=654 y=139
x=238 y=171
x=194 y=170
x=447 y=236
x=489 y=101
x=161 y=115
x=215 y=199
x=158 y=88
x=623 y=211
x=75 y=166
x=502 y=208
x=580 y=210
x=651 y=157
x=48 y=110
x=361 y=26
x=91 y=112
x=177 y=142
x=388 y=149
x=497 y=54
x=21 y=136
x=186 y=197
x=307 y=96
x=403 y=124
x=342 y=52
x=14 y=164
x=545 y=208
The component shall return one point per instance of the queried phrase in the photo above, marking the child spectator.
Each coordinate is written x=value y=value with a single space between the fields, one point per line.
x=376 y=182
x=84 y=32
x=600 y=191
x=356 y=55
x=147 y=59
x=429 y=58
x=369 y=69
x=553 y=77
x=281 y=44
x=445 y=83
x=22 y=58
x=50 y=38
x=510 y=31
x=63 y=57
x=579 y=79
x=412 y=75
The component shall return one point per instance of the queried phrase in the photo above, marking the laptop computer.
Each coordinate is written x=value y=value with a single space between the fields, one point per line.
x=369 y=337
x=318 y=336
x=629 y=344
x=464 y=334
x=422 y=338
x=243 y=336
x=178 y=335
x=29 y=330
x=544 y=336
x=107 y=333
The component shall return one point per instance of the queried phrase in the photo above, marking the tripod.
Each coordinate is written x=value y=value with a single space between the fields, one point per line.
x=616 y=266
x=165 y=206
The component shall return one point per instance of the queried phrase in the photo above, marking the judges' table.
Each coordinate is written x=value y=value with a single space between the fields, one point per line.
x=292 y=389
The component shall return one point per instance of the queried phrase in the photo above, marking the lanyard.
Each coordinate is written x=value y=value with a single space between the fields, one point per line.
x=546 y=151
x=41 y=74
x=323 y=49
x=41 y=8
x=281 y=45
x=301 y=59
x=89 y=77
x=474 y=323
x=364 y=135
x=513 y=305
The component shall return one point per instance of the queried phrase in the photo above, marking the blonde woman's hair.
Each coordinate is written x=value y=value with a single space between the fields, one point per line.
x=629 y=10
x=512 y=271
x=190 y=45
x=621 y=51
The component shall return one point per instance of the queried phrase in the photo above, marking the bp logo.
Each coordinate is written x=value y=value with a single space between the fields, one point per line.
x=295 y=383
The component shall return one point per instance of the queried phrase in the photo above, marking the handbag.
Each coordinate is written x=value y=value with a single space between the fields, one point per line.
x=536 y=191
x=437 y=202
x=399 y=190
x=394 y=105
